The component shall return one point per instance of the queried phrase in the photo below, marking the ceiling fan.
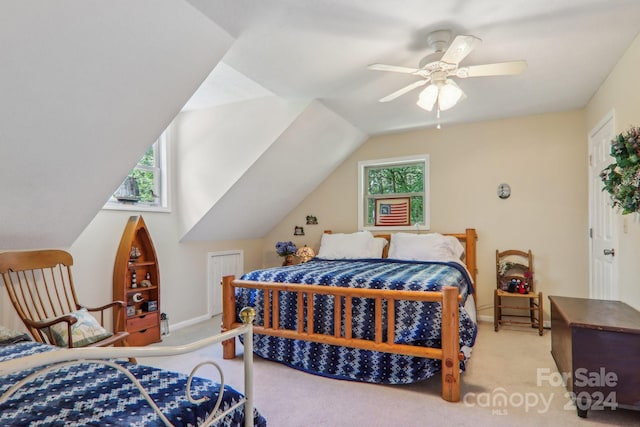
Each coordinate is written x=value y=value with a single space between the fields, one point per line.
x=438 y=67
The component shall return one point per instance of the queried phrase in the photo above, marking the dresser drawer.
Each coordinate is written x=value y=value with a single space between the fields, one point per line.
x=145 y=321
x=144 y=337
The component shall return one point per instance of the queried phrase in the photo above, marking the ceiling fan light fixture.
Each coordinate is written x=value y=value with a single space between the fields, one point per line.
x=449 y=95
x=446 y=94
x=428 y=97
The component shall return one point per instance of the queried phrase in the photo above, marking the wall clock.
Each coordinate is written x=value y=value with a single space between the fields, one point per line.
x=504 y=191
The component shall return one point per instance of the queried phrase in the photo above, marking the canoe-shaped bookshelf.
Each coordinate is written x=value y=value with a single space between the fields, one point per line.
x=136 y=280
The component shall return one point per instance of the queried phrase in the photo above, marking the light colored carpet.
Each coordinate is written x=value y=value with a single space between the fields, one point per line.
x=512 y=363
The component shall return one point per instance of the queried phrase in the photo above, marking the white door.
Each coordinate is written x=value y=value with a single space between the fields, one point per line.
x=221 y=264
x=603 y=267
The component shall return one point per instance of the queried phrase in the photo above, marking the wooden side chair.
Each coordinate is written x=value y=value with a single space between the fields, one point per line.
x=514 y=277
x=41 y=289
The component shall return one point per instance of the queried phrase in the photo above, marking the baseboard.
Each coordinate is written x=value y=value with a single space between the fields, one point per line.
x=489 y=319
x=189 y=322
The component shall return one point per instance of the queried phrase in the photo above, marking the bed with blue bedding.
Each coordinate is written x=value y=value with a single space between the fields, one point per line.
x=314 y=316
x=417 y=323
x=90 y=393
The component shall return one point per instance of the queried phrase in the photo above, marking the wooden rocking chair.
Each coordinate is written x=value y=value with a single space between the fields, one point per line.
x=40 y=286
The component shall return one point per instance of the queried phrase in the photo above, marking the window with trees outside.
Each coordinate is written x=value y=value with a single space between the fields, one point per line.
x=145 y=188
x=394 y=193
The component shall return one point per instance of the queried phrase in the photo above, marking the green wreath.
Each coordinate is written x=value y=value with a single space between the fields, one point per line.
x=622 y=178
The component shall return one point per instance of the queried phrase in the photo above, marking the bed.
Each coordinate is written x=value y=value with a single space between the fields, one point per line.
x=43 y=385
x=391 y=312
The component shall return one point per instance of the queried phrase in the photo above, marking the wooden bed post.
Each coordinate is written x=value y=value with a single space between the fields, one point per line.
x=470 y=253
x=450 y=345
x=228 y=316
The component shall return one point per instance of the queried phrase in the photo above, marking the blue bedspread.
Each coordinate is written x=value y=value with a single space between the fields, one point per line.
x=416 y=323
x=96 y=395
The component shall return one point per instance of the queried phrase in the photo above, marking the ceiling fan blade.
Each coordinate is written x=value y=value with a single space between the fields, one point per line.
x=394 y=68
x=498 y=69
x=459 y=49
x=404 y=90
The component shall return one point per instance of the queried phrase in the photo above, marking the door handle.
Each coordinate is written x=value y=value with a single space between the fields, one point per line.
x=611 y=252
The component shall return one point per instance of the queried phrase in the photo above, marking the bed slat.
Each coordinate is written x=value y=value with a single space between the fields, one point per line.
x=267 y=309
x=310 y=313
x=348 y=313
x=275 y=313
x=378 y=320
x=391 y=320
x=337 y=316
x=300 y=308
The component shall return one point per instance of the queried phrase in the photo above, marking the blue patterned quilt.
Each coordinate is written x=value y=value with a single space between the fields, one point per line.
x=416 y=323
x=96 y=395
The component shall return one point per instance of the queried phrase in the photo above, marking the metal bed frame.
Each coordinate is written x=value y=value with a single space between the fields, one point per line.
x=101 y=355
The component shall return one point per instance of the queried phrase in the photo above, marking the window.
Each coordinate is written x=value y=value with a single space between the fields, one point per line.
x=145 y=188
x=394 y=193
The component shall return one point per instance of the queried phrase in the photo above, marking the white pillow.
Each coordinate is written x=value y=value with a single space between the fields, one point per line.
x=456 y=247
x=425 y=247
x=343 y=246
x=377 y=246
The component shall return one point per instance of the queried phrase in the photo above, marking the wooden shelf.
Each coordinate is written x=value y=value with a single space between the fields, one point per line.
x=140 y=263
x=141 y=289
x=144 y=328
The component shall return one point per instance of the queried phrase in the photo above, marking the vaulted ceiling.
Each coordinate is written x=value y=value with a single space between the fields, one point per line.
x=87 y=86
x=321 y=49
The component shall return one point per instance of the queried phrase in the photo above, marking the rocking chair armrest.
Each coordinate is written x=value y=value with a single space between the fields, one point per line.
x=41 y=324
x=114 y=304
x=118 y=308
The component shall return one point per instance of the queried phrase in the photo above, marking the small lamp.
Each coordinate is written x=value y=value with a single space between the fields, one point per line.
x=305 y=253
x=164 y=324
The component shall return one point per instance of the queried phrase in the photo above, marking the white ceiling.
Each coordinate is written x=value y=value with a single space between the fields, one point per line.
x=320 y=50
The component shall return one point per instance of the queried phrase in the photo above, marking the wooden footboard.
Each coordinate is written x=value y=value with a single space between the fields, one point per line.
x=449 y=353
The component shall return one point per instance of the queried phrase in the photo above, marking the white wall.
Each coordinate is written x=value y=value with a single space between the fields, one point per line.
x=542 y=157
x=183 y=266
x=621 y=92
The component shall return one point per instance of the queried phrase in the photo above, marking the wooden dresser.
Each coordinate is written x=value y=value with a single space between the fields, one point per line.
x=597 y=343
